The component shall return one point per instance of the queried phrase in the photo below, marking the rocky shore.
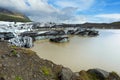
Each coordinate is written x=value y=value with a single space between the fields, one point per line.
x=19 y=63
x=23 y=64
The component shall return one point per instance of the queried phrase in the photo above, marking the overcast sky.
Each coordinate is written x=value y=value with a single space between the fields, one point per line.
x=67 y=11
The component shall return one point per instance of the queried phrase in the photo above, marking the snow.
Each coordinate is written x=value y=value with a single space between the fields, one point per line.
x=17 y=28
x=20 y=27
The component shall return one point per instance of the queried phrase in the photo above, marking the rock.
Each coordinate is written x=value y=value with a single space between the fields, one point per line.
x=14 y=53
x=1 y=65
x=93 y=33
x=113 y=76
x=99 y=73
x=1 y=78
x=86 y=32
x=29 y=33
x=18 y=64
x=17 y=55
x=66 y=74
x=55 y=32
x=22 y=41
x=83 y=32
x=60 y=39
x=6 y=35
x=3 y=56
x=71 y=32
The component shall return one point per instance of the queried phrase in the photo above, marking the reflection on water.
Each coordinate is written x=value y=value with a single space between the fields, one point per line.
x=84 y=52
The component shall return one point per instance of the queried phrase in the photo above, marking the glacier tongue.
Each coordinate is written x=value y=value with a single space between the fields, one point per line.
x=16 y=29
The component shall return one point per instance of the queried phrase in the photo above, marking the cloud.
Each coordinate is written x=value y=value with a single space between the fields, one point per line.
x=60 y=10
x=109 y=17
x=80 y=4
x=13 y=4
x=43 y=11
x=27 y=6
x=57 y=16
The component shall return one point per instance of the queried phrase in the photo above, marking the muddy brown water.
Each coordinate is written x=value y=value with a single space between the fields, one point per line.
x=82 y=53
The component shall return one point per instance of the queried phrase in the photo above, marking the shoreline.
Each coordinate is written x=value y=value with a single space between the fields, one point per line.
x=22 y=63
x=67 y=57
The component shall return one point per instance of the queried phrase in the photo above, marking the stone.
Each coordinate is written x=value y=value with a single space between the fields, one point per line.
x=60 y=39
x=71 y=32
x=66 y=74
x=3 y=56
x=99 y=72
x=113 y=76
x=86 y=32
x=17 y=55
x=1 y=78
x=18 y=64
x=1 y=65
x=93 y=33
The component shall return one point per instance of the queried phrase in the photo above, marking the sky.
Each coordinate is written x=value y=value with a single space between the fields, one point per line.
x=67 y=11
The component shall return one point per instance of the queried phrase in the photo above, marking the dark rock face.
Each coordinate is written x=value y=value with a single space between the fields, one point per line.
x=60 y=39
x=26 y=42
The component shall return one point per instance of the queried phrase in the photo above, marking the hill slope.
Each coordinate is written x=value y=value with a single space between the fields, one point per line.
x=117 y=23
x=7 y=15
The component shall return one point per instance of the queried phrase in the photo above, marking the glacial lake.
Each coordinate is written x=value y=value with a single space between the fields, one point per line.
x=83 y=53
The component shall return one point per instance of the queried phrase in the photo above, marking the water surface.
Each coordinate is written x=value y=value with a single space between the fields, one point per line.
x=83 y=53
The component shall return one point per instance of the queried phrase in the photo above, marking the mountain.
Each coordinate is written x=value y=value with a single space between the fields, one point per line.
x=8 y=15
x=114 y=25
x=117 y=23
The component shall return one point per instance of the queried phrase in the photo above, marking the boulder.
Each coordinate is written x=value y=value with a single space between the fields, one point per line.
x=101 y=74
x=60 y=39
x=70 y=32
x=66 y=74
x=113 y=76
x=26 y=41
x=93 y=33
x=87 y=32
x=1 y=78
